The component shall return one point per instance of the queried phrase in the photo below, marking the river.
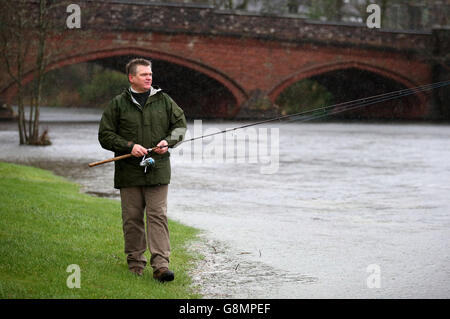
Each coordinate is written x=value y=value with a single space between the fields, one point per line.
x=312 y=210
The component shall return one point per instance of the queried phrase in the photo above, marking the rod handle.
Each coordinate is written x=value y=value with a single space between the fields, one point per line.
x=121 y=157
x=110 y=160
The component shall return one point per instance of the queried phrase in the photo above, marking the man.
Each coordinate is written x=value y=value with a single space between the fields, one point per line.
x=140 y=118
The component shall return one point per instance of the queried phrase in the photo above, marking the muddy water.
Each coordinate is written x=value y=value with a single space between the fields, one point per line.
x=350 y=210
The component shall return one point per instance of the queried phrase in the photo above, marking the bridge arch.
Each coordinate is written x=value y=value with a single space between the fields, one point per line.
x=236 y=91
x=419 y=99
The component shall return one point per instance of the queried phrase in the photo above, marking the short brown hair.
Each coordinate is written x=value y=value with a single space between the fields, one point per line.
x=132 y=65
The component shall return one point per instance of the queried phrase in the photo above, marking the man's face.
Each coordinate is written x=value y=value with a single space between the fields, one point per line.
x=142 y=81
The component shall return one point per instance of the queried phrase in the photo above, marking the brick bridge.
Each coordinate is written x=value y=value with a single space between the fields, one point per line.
x=220 y=64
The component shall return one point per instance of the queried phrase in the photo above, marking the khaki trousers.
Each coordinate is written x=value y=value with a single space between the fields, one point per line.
x=152 y=200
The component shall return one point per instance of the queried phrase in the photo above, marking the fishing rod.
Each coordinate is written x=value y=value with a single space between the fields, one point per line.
x=300 y=116
x=346 y=106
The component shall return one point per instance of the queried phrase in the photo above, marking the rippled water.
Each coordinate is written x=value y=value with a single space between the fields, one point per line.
x=346 y=199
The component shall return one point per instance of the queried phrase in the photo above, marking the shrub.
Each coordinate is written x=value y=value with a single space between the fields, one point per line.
x=303 y=96
x=103 y=86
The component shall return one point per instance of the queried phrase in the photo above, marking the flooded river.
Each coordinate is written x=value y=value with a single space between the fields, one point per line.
x=306 y=210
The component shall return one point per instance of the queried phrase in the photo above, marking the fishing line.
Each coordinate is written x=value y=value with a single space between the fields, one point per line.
x=371 y=101
x=343 y=107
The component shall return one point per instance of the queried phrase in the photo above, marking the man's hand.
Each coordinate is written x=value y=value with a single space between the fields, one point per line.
x=138 y=150
x=162 y=150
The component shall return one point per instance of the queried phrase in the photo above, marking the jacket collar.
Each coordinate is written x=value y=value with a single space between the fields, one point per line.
x=153 y=91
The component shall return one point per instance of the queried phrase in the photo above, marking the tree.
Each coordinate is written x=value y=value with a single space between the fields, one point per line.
x=23 y=38
x=14 y=49
x=329 y=10
x=25 y=29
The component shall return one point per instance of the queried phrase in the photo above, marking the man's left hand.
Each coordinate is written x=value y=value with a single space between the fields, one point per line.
x=163 y=149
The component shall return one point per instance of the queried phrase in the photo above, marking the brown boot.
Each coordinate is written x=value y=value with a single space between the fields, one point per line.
x=163 y=274
x=137 y=271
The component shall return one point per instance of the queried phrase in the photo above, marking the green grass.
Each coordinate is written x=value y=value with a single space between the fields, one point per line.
x=47 y=225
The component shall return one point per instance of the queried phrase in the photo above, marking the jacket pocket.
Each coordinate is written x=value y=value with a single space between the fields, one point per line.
x=162 y=171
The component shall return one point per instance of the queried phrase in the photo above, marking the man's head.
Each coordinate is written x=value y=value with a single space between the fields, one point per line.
x=139 y=73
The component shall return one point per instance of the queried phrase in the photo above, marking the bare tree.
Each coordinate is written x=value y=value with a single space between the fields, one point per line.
x=14 y=23
x=23 y=39
x=25 y=29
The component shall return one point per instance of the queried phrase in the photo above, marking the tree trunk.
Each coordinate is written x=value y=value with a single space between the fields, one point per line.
x=21 y=119
x=338 y=13
x=40 y=63
x=23 y=138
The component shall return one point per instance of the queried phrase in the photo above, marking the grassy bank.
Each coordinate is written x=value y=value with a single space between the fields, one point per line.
x=47 y=225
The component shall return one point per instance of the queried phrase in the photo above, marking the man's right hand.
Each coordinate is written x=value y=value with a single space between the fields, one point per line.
x=138 y=150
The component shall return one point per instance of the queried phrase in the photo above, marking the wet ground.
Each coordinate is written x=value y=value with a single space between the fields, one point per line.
x=332 y=210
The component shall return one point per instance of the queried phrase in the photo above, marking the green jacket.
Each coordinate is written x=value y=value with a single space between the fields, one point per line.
x=125 y=123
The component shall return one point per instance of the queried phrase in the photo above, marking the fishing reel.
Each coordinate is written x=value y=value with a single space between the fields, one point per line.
x=147 y=162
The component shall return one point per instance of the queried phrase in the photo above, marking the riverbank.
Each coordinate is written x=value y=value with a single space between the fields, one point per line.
x=48 y=225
